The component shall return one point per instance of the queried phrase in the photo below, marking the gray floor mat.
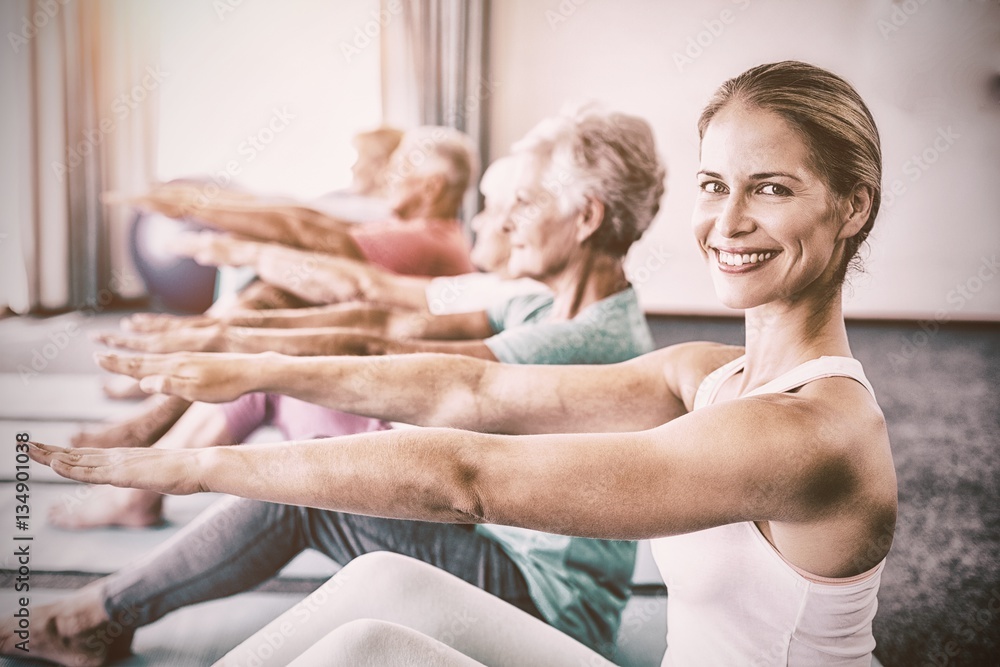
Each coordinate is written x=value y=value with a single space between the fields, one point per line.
x=59 y=397
x=196 y=635
x=103 y=551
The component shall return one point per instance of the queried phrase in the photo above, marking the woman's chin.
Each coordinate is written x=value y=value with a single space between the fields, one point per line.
x=737 y=300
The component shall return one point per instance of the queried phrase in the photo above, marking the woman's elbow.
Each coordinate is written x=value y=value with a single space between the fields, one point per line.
x=469 y=502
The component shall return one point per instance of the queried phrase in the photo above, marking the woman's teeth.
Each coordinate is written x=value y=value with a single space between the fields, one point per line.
x=733 y=259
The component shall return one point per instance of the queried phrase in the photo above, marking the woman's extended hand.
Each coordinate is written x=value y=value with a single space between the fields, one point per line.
x=196 y=339
x=157 y=322
x=177 y=472
x=194 y=376
x=214 y=249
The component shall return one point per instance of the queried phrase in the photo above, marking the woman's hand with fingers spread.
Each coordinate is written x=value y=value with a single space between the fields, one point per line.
x=194 y=376
x=197 y=339
x=176 y=472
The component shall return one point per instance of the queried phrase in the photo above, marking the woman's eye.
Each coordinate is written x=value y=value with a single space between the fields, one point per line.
x=713 y=187
x=774 y=189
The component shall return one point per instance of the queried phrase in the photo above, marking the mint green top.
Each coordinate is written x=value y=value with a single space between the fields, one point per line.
x=579 y=585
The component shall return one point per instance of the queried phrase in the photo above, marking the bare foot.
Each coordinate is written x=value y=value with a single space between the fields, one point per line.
x=107 y=506
x=121 y=387
x=75 y=631
x=158 y=414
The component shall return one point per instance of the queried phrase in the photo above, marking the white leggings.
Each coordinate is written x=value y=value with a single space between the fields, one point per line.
x=387 y=609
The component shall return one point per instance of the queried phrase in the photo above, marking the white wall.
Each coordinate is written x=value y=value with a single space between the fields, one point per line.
x=235 y=68
x=923 y=68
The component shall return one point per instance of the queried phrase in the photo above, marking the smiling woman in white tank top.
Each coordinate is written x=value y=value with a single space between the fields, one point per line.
x=763 y=473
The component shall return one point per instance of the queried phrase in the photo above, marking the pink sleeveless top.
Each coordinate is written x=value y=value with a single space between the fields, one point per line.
x=732 y=599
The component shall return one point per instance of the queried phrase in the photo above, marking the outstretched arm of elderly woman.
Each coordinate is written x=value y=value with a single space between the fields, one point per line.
x=444 y=389
x=323 y=275
x=710 y=467
x=287 y=224
x=361 y=329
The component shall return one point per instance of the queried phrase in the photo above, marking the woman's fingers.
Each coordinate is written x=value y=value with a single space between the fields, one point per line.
x=161 y=322
x=140 y=343
x=77 y=464
x=139 y=468
x=42 y=453
x=164 y=342
x=195 y=376
x=156 y=384
x=137 y=365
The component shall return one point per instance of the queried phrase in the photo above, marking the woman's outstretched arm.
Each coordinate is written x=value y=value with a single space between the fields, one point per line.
x=316 y=275
x=708 y=468
x=365 y=330
x=287 y=224
x=446 y=389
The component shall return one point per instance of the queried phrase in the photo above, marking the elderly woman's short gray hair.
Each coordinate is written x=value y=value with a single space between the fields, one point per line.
x=605 y=155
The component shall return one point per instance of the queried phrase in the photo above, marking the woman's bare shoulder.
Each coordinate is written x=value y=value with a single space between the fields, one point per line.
x=685 y=365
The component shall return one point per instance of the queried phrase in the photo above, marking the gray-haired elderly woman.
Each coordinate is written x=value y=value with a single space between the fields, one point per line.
x=579 y=189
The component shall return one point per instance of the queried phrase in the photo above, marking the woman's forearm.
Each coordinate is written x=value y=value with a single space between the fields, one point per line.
x=288 y=225
x=392 y=289
x=313 y=341
x=420 y=389
x=353 y=315
x=314 y=276
x=359 y=474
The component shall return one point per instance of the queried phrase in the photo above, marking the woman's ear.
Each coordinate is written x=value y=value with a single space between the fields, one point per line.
x=434 y=187
x=590 y=219
x=858 y=206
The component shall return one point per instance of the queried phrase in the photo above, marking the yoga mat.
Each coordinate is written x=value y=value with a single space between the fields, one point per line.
x=196 y=635
x=59 y=397
x=106 y=550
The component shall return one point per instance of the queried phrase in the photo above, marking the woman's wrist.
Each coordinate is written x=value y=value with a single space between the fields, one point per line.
x=270 y=372
x=210 y=467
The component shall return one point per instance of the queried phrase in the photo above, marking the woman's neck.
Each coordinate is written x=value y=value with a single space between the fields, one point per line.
x=586 y=282
x=781 y=335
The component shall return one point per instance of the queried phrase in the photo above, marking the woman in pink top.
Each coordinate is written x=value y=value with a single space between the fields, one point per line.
x=764 y=472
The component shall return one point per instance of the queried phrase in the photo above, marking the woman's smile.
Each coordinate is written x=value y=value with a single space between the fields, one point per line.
x=742 y=260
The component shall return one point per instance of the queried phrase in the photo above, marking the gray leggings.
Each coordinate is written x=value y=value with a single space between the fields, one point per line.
x=237 y=544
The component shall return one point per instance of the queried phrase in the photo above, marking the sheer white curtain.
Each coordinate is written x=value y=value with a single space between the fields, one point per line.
x=80 y=89
x=435 y=67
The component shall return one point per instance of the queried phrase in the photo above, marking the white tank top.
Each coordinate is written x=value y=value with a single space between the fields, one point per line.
x=732 y=599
